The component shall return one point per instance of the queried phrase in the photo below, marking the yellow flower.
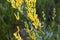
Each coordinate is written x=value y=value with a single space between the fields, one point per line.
x=31 y=7
x=17 y=16
x=33 y=35
x=15 y=3
x=13 y=6
x=8 y=0
x=30 y=16
x=17 y=34
x=26 y=24
x=19 y=2
x=43 y=15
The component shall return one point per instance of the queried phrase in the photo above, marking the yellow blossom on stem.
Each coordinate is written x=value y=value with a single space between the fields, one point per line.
x=19 y=2
x=17 y=34
x=15 y=3
x=31 y=10
x=30 y=16
x=33 y=35
x=17 y=16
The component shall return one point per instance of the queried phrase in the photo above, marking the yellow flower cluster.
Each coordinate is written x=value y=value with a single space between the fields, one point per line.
x=15 y=3
x=17 y=16
x=31 y=4
x=30 y=31
x=17 y=34
x=34 y=18
x=33 y=35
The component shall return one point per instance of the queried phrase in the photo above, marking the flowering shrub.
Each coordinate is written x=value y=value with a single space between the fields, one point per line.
x=24 y=22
